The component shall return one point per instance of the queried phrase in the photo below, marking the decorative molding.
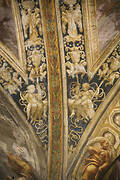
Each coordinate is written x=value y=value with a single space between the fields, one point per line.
x=91 y=34
x=107 y=51
x=112 y=136
x=19 y=35
x=64 y=81
x=55 y=151
x=11 y=59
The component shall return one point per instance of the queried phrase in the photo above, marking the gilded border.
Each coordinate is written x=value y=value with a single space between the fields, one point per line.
x=65 y=120
x=55 y=151
x=111 y=46
x=19 y=34
x=10 y=58
x=91 y=33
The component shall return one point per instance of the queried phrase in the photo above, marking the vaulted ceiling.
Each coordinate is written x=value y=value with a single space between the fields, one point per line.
x=60 y=73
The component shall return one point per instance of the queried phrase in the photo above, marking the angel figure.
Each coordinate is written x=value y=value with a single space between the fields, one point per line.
x=111 y=78
x=36 y=108
x=77 y=15
x=35 y=22
x=115 y=63
x=72 y=17
x=26 y=21
x=13 y=84
x=67 y=18
x=109 y=73
x=82 y=104
x=104 y=71
x=97 y=161
x=31 y=21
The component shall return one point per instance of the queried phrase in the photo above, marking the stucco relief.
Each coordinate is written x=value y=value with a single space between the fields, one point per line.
x=34 y=104
x=34 y=96
x=84 y=94
x=75 y=60
x=115 y=118
x=30 y=91
x=113 y=138
x=96 y=157
x=97 y=161
x=104 y=129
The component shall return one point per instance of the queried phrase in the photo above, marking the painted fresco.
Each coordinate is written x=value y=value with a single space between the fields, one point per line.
x=7 y=27
x=18 y=147
x=108 y=18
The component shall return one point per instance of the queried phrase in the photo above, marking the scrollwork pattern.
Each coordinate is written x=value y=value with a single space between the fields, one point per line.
x=75 y=61
x=34 y=96
x=30 y=93
x=9 y=78
x=84 y=95
x=109 y=71
x=32 y=101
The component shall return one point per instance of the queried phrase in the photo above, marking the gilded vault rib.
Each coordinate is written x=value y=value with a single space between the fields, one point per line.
x=55 y=90
x=64 y=81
